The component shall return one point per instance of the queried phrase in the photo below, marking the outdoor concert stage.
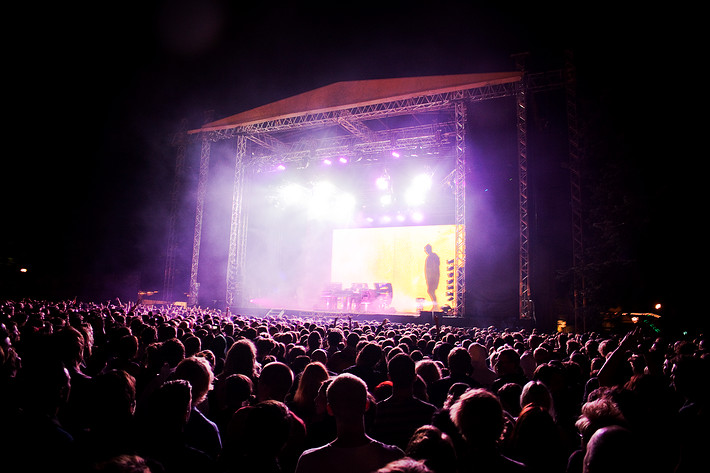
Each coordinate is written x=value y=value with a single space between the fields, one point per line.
x=350 y=183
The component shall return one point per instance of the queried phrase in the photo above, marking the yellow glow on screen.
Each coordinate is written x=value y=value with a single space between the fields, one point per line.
x=395 y=255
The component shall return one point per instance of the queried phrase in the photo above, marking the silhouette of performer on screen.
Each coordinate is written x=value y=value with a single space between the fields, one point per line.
x=431 y=273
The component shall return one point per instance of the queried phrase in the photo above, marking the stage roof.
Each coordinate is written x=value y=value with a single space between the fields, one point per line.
x=350 y=94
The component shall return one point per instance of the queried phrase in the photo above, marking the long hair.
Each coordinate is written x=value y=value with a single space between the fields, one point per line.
x=313 y=375
x=241 y=359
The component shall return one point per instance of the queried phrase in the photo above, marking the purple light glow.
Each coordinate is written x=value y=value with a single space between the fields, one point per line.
x=382 y=183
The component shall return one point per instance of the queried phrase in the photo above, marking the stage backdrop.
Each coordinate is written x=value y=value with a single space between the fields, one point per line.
x=393 y=255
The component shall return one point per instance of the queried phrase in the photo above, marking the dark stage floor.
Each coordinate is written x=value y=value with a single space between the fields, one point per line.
x=423 y=317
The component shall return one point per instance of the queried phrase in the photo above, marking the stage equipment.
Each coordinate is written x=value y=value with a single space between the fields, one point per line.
x=357 y=298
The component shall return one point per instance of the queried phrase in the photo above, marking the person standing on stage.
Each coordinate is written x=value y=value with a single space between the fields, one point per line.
x=431 y=273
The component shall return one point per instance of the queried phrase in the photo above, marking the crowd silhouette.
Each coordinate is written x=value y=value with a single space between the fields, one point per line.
x=113 y=387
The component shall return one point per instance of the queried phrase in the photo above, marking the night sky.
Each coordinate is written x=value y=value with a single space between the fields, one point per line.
x=96 y=92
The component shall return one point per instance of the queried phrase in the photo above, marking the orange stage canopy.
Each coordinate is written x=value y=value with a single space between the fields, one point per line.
x=350 y=94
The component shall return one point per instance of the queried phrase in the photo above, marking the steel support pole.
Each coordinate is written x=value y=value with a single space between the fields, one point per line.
x=237 y=230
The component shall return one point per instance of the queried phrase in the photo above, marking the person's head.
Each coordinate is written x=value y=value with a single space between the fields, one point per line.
x=241 y=358
x=240 y=389
x=427 y=249
x=126 y=463
x=611 y=449
x=321 y=399
x=193 y=345
x=369 y=355
x=172 y=351
x=169 y=407
x=334 y=338
x=478 y=353
x=535 y=392
x=459 y=361
x=114 y=395
x=534 y=433
x=313 y=375
x=428 y=369
x=315 y=340
x=127 y=347
x=352 y=339
x=433 y=447
x=275 y=381
x=507 y=361
x=319 y=355
x=689 y=376
x=401 y=370
x=347 y=397
x=70 y=346
x=509 y=395
x=597 y=413
x=478 y=415
x=266 y=431
x=405 y=465
x=198 y=371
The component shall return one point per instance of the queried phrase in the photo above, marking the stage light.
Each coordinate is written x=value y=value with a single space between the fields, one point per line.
x=382 y=183
x=327 y=162
x=280 y=167
x=422 y=181
x=292 y=194
x=343 y=160
x=416 y=193
x=386 y=200
x=321 y=197
x=417 y=217
x=343 y=205
x=414 y=197
x=400 y=218
x=395 y=154
x=323 y=201
x=323 y=189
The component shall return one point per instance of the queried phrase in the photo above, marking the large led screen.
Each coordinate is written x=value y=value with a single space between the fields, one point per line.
x=394 y=255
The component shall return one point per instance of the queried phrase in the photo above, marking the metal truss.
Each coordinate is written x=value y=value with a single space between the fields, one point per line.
x=524 y=295
x=194 y=288
x=575 y=159
x=172 y=244
x=409 y=106
x=460 y=191
x=238 y=227
x=438 y=137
